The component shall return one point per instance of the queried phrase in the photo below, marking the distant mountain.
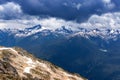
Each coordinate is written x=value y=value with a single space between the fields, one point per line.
x=17 y=64
x=85 y=51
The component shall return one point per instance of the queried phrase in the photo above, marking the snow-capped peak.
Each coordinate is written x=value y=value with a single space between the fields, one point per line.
x=104 y=33
x=34 y=27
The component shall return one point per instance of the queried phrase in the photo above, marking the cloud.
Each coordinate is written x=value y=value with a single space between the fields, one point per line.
x=107 y=1
x=47 y=23
x=77 y=5
x=105 y=21
x=63 y=13
x=73 y=5
x=10 y=10
x=79 y=10
x=102 y=22
x=54 y=23
x=13 y=24
x=108 y=4
x=54 y=9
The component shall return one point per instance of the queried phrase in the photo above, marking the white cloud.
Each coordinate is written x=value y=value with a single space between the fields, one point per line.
x=77 y=5
x=13 y=24
x=54 y=23
x=48 y=23
x=65 y=4
x=10 y=10
x=107 y=1
x=73 y=5
x=1 y=8
x=108 y=4
x=105 y=21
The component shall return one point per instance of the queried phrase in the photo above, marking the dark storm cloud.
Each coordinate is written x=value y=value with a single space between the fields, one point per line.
x=67 y=9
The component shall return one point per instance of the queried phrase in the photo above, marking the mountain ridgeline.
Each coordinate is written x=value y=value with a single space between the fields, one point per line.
x=91 y=53
x=17 y=64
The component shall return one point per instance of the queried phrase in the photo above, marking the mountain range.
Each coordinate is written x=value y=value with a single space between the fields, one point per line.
x=93 y=53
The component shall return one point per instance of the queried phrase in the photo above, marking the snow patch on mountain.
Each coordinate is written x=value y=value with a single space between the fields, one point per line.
x=31 y=65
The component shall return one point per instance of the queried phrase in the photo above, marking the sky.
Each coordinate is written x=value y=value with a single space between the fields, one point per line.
x=60 y=12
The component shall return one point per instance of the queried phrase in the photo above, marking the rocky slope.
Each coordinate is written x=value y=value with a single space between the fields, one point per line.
x=17 y=64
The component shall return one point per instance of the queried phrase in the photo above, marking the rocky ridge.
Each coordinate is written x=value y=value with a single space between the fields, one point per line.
x=17 y=64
